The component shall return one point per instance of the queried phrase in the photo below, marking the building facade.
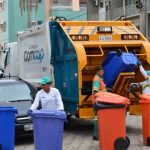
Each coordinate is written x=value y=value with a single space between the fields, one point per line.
x=18 y=15
x=14 y=17
x=138 y=11
x=64 y=8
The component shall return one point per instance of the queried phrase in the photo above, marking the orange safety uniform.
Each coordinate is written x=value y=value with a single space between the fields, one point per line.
x=98 y=84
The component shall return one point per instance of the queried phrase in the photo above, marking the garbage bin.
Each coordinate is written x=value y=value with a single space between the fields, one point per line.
x=145 y=108
x=48 y=129
x=7 y=128
x=111 y=112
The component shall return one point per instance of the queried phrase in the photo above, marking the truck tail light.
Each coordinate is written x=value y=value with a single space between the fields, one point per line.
x=130 y=37
x=79 y=37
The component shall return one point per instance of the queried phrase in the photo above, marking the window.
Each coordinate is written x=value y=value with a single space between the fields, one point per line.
x=129 y=2
x=15 y=92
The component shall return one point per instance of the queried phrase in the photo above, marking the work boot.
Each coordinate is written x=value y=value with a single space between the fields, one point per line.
x=95 y=130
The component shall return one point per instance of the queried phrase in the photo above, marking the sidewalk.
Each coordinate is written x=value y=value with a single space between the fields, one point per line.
x=134 y=132
x=78 y=136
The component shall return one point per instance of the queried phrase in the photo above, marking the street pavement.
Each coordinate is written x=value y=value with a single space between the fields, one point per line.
x=78 y=136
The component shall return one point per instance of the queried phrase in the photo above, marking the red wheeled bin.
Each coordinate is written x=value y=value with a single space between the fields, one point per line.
x=145 y=108
x=111 y=113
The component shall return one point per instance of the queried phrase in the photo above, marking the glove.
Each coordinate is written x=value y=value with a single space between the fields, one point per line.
x=138 y=63
x=134 y=85
x=29 y=111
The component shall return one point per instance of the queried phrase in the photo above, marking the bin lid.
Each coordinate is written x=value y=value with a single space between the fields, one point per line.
x=106 y=97
x=49 y=114
x=144 y=98
x=8 y=109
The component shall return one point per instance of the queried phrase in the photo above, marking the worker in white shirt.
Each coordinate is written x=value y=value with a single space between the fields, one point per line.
x=48 y=97
x=145 y=84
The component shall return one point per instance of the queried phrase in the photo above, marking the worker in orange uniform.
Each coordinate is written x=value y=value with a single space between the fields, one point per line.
x=98 y=85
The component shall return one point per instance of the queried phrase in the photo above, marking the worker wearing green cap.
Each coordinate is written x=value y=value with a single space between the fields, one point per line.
x=48 y=97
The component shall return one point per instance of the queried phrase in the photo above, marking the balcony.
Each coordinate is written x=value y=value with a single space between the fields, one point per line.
x=130 y=11
x=117 y=12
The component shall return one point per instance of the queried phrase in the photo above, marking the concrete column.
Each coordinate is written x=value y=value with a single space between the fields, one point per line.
x=92 y=10
x=124 y=8
x=48 y=5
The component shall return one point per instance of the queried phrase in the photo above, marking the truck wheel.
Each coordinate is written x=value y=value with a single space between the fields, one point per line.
x=121 y=144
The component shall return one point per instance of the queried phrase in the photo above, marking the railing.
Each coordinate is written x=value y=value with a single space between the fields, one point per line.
x=117 y=12
x=67 y=12
x=131 y=10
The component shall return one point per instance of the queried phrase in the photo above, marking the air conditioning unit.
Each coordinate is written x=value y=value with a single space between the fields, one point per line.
x=34 y=3
x=96 y=3
x=101 y=4
x=35 y=23
x=1 y=5
x=55 y=1
x=3 y=26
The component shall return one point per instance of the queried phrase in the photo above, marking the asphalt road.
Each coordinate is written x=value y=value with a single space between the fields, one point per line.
x=78 y=136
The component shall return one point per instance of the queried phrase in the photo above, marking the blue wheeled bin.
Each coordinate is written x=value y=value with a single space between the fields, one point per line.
x=48 y=129
x=7 y=128
x=114 y=64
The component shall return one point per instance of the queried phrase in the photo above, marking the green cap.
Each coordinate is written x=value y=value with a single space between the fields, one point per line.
x=148 y=72
x=99 y=68
x=45 y=80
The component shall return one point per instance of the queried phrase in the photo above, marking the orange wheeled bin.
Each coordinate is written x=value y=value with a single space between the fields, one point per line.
x=111 y=112
x=145 y=108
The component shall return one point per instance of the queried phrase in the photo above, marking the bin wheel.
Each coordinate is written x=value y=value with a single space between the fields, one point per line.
x=0 y=147
x=148 y=141
x=128 y=140
x=121 y=143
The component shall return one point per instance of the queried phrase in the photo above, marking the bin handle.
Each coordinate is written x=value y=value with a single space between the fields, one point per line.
x=99 y=106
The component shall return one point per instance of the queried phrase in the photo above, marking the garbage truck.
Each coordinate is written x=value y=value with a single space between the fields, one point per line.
x=70 y=51
x=29 y=57
x=78 y=47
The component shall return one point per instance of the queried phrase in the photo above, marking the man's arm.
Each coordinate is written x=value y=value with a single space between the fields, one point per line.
x=142 y=70
x=96 y=87
x=59 y=101
x=35 y=104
